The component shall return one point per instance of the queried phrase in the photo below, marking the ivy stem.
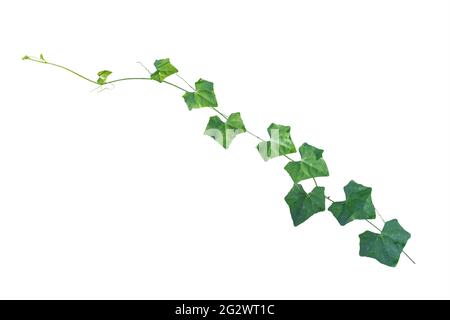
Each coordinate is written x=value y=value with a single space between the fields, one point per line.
x=289 y=158
x=410 y=259
x=84 y=77
x=213 y=108
x=220 y=113
x=254 y=135
x=381 y=217
x=174 y=85
x=62 y=67
x=126 y=79
x=373 y=225
x=315 y=182
x=180 y=77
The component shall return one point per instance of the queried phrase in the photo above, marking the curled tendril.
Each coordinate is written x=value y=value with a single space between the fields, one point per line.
x=101 y=88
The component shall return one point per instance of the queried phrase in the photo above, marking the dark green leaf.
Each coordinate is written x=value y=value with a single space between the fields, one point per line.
x=202 y=97
x=41 y=56
x=387 y=246
x=311 y=165
x=225 y=132
x=280 y=142
x=303 y=205
x=103 y=76
x=25 y=57
x=358 y=204
x=163 y=69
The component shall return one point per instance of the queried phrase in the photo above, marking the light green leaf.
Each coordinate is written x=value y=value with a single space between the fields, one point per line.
x=280 y=142
x=163 y=69
x=225 y=132
x=25 y=57
x=41 y=56
x=387 y=246
x=103 y=76
x=304 y=205
x=358 y=204
x=203 y=96
x=311 y=165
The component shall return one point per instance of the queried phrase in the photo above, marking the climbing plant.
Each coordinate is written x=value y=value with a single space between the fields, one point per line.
x=386 y=246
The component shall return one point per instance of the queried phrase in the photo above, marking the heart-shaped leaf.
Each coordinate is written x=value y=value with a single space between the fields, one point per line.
x=203 y=96
x=225 y=132
x=311 y=165
x=280 y=142
x=358 y=204
x=304 y=205
x=163 y=69
x=387 y=246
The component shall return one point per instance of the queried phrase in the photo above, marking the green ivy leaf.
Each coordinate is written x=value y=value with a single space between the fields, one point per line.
x=304 y=205
x=311 y=165
x=203 y=96
x=163 y=69
x=387 y=246
x=358 y=204
x=280 y=142
x=225 y=132
x=103 y=76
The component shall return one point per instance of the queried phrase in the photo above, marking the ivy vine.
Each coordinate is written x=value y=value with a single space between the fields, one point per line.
x=386 y=245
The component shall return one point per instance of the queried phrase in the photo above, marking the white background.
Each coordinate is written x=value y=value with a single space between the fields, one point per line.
x=119 y=194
